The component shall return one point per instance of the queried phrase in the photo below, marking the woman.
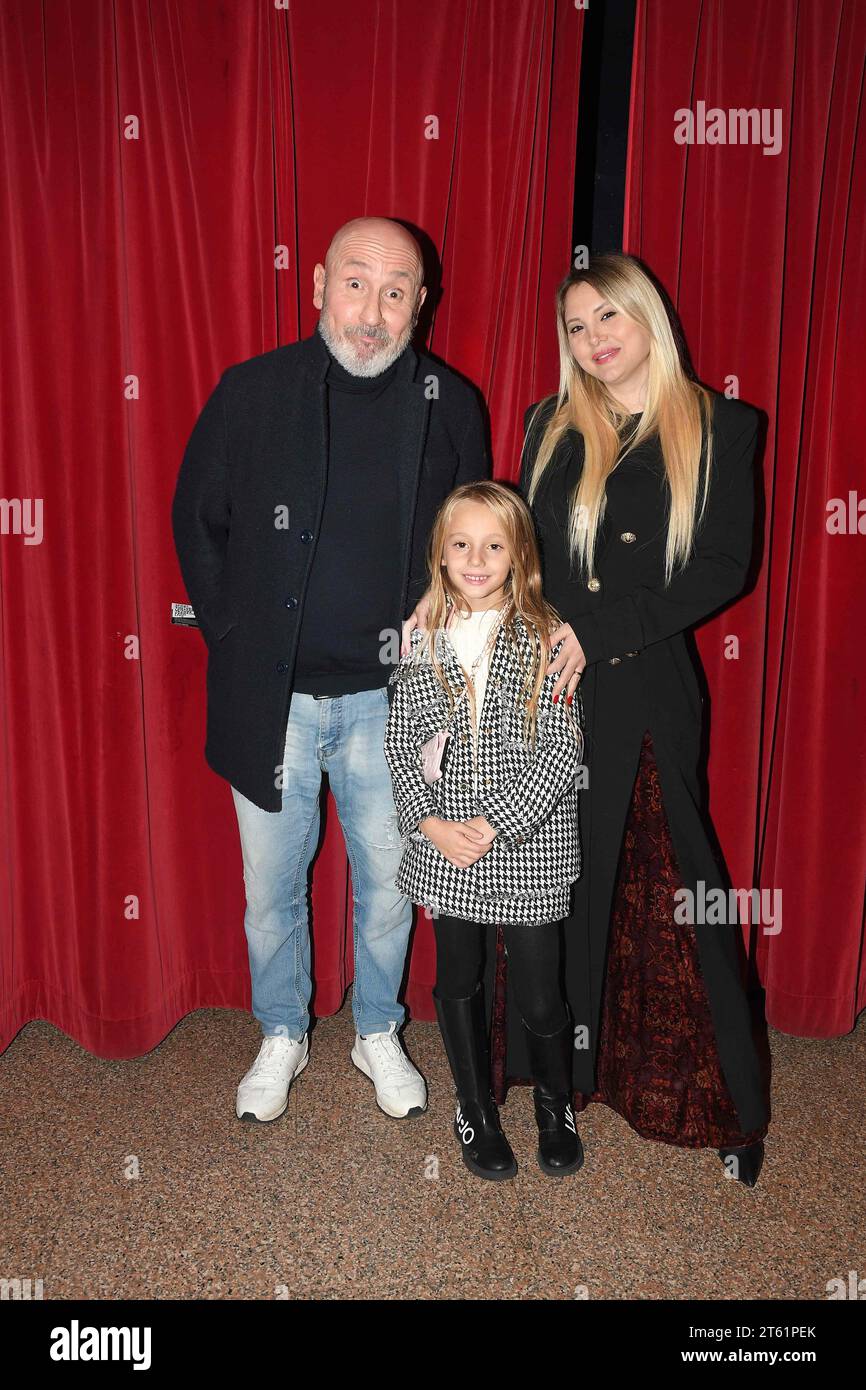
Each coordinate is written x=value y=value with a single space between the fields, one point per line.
x=640 y=481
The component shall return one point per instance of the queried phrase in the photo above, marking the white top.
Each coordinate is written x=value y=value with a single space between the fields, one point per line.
x=468 y=636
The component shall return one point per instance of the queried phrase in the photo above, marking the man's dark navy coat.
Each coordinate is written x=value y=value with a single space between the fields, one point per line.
x=246 y=516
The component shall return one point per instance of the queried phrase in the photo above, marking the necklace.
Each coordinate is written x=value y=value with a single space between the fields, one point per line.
x=488 y=646
x=469 y=688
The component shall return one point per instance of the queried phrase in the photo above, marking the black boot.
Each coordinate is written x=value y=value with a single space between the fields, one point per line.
x=486 y=1151
x=559 y=1148
x=747 y=1161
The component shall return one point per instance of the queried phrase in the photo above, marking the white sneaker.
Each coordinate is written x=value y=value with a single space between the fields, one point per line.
x=400 y=1089
x=263 y=1094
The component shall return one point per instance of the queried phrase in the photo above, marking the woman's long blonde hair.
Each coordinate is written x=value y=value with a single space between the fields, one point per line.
x=523 y=596
x=678 y=408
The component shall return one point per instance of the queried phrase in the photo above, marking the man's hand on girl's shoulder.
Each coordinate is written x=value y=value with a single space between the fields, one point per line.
x=417 y=618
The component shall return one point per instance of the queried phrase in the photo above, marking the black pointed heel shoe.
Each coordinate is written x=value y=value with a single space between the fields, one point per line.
x=744 y=1163
x=559 y=1148
x=485 y=1149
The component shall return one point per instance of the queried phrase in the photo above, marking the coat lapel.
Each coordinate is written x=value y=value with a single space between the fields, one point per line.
x=497 y=670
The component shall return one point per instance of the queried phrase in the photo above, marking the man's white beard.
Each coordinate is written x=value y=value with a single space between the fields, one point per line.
x=374 y=365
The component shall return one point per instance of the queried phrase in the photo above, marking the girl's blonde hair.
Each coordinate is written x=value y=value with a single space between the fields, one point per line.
x=678 y=408
x=523 y=596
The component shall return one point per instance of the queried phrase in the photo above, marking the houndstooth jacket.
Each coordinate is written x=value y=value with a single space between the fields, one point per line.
x=528 y=795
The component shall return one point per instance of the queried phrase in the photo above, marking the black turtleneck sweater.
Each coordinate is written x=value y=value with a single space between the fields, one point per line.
x=353 y=590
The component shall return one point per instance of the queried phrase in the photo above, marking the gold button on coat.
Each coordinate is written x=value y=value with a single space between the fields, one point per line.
x=628 y=537
x=593 y=585
x=615 y=660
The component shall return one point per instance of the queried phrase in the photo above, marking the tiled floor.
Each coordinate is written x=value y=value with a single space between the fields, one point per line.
x=135 y=1180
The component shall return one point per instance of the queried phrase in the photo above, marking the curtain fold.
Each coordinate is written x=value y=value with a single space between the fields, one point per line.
x=174 y=172
x=763 y=256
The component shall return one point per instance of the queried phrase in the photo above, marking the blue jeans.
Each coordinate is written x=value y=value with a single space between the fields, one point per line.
x=343 y=735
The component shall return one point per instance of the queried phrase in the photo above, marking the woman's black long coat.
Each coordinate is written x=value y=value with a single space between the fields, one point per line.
x=640 y=676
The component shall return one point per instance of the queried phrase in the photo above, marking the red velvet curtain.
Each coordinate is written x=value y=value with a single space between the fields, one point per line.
x=156 y=153
x=764 y=255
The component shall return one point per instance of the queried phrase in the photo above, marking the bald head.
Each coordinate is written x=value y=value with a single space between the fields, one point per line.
x=380 y=237
x=370 y=291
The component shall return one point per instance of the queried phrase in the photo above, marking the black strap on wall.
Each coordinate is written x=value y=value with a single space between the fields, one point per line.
x=602 y=124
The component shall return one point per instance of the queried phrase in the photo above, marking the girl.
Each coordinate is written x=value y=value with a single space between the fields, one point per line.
x=483 y=762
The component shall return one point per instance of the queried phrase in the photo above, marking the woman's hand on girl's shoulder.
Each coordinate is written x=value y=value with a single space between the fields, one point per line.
x=569 y=661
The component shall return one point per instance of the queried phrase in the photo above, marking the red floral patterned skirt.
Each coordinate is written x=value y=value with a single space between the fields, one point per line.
x=658 y=1065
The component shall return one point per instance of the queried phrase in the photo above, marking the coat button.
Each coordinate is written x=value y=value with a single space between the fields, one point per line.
x=282 y=666
x=628 y=537
x=615 y=660
x=291 y=602
x=306 y=537
x=631 y=653
x=593 y=585
x=487 y=782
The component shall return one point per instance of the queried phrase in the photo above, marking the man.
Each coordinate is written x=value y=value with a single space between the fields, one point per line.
x=301 y=515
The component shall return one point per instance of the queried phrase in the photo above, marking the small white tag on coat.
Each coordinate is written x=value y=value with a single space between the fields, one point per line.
x=184 y=615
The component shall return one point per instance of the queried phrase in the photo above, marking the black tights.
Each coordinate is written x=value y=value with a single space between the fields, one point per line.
x=533 y=967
